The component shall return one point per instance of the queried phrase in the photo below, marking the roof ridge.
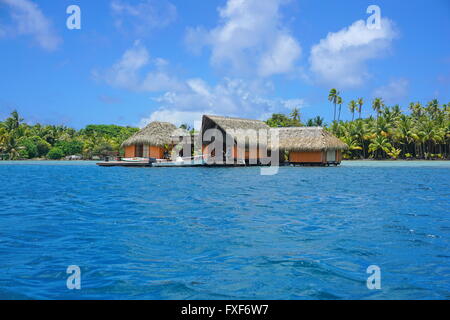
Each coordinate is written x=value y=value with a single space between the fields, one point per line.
x=231 y=118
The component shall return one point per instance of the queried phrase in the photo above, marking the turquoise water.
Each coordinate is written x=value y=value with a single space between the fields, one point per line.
x=225 y=233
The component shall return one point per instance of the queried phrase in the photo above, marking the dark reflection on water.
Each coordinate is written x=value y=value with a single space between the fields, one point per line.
x=199 y=233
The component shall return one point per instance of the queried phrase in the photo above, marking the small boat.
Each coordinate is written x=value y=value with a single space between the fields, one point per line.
x=135 y=159
x=180 y=162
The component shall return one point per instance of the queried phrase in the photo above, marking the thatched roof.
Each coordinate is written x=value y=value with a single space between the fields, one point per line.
x=235 y=127
x=308 y=139
x=290 y=139
x=227 y=123
x=154 y=134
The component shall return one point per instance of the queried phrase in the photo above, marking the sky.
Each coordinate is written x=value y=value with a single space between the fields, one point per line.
x=132 y=62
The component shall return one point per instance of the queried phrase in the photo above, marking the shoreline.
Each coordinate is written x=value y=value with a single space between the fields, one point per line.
x=349 y=160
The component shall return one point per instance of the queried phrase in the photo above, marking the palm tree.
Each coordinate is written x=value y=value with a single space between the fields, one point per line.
x=339 y=102
x=295 y=116
x=378 y=144
x=377 y=104
x=12 y=148
x=333 y=98
x=360 y=104
x=316 y=122
x=3 y=141
x=416 y=109
x=432 y=108
x=352 y=106
x=13 y=122
x=405 y=133
x=425 y=133
x=396 y=111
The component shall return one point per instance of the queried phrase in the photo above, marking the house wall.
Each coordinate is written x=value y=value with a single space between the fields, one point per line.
x=338 y=156
x=307 y=157
x=129 y=151
x=252 y=153
x=156 y=152
x=153 y=152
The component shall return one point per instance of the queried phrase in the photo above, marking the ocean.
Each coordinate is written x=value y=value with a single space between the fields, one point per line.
x=225 y=233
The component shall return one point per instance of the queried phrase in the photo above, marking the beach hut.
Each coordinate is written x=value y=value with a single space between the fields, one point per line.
x=151 y=141
x=234 y=129
x=310 y=145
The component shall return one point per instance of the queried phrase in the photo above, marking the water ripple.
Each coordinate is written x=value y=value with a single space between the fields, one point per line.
x=197 y=233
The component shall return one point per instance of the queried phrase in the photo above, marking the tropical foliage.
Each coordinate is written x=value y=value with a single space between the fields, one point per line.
x=19 y=140
x=281 y=120
x=423 y=133
x=391 y=133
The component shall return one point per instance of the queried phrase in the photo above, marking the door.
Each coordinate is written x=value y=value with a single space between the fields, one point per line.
x=331 y=156
x=139 y=151
x=145 y=151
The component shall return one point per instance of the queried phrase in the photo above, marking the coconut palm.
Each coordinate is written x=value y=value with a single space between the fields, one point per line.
x=12 y=148
x=13 y=122
x=360 y=105
x=377 y=104
x=3 y=140
x=333 y=98
x=432 y=108
x=378 y=145
x=295 y=116
x=316 y=122
x=339 y=102
x=405 y=133
x=352 y=106
x=416 y=109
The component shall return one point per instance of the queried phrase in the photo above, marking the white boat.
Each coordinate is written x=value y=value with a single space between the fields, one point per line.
x=181 y=162
x=134 y=159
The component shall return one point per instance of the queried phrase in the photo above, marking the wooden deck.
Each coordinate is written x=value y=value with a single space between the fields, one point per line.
x=201 y=163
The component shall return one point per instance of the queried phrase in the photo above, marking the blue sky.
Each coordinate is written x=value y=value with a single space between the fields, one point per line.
x=137 y=61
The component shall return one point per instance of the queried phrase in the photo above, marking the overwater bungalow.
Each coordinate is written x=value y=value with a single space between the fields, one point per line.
x=244 y=143
x=150 y=142
x=235 y=129
x=310 y=145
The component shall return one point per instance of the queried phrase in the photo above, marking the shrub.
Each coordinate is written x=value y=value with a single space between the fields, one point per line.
x=30 y=149
x=70 y=147
x=43 y=147
x=55 y=153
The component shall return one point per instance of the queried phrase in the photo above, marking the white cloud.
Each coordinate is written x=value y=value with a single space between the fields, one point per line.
x=128 y=72
x=28 y=19
x=176 y=117
x=250 y=39
x=185 y=101
x=340 y=59
x=394 y=91
x=231 y=97
x=144 y=16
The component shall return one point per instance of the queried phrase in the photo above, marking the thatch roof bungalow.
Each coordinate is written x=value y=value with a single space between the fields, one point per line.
x=310 y=145
x=235 y=129
x=150 y=142
x=305 y=145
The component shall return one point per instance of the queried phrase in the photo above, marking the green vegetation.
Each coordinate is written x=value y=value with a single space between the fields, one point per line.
x=281 y=120
x=55 y=153
x=424 y=133
x=19 y=140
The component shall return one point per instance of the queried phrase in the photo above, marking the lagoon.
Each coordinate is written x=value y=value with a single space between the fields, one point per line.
x=225 y=233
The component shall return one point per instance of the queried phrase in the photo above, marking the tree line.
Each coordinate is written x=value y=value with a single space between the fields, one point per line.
x=389 y=133
x=19 y=140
